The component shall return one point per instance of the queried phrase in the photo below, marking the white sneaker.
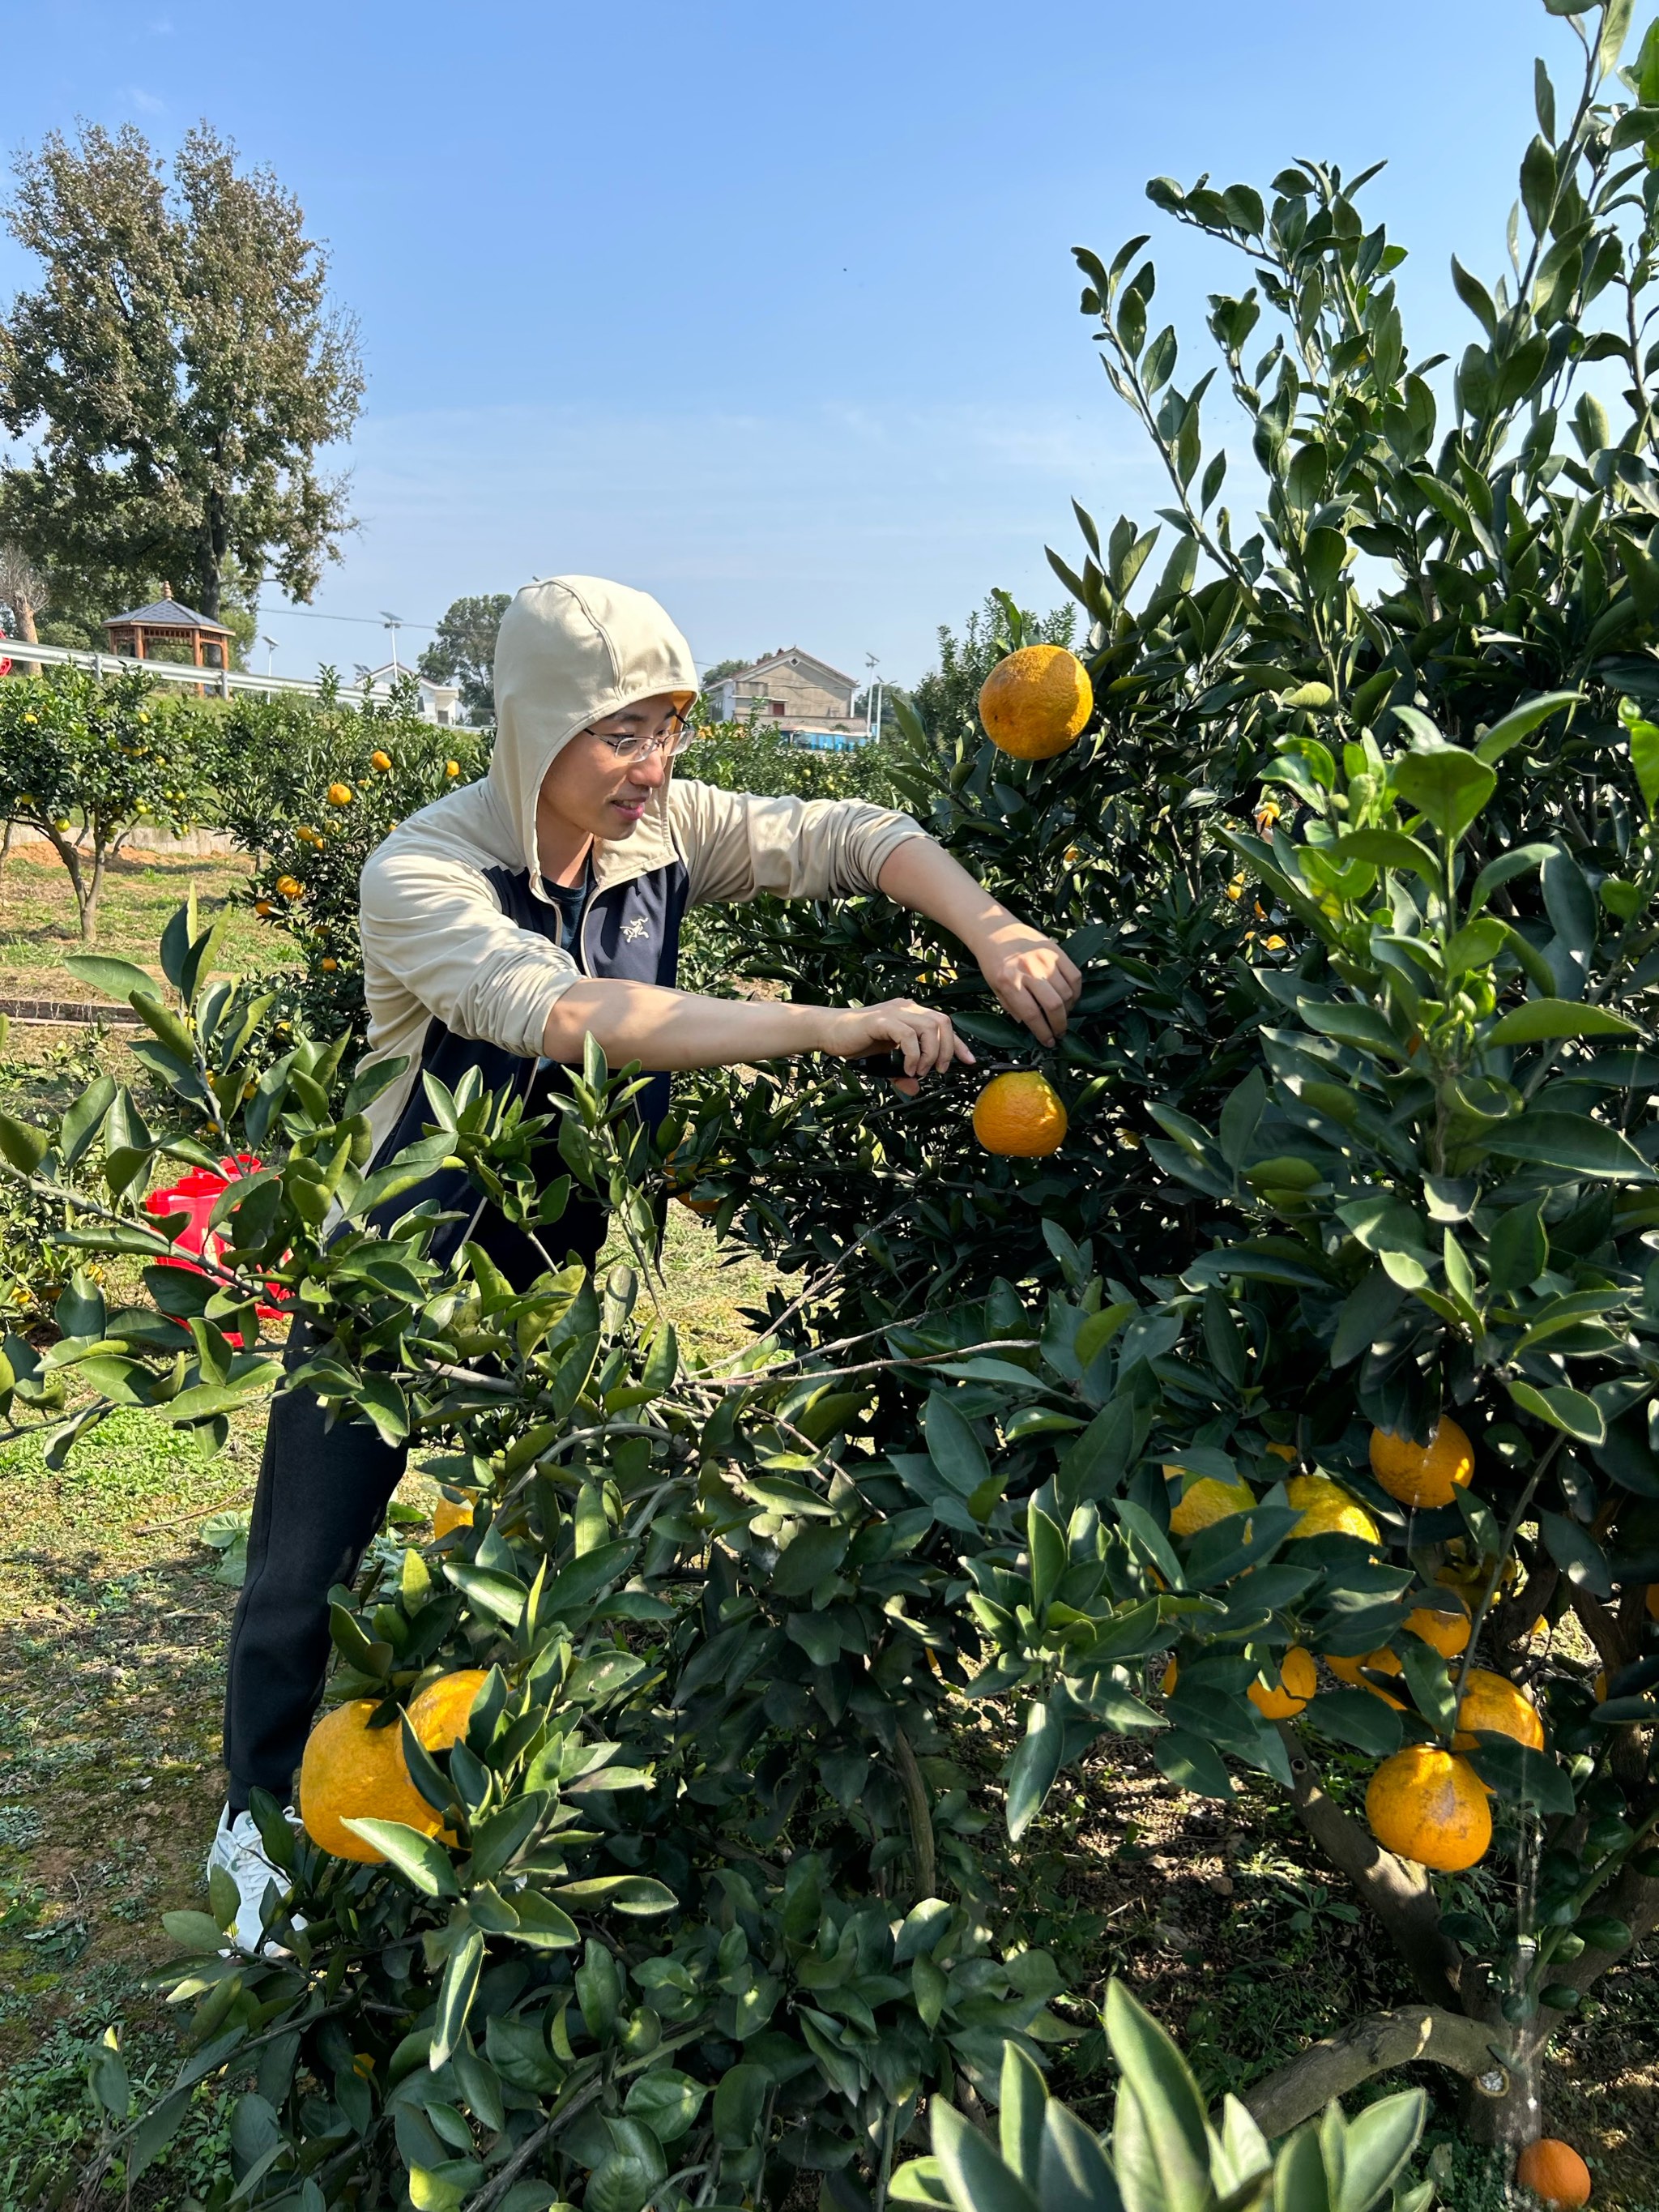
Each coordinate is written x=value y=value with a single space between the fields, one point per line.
x=238 y=1848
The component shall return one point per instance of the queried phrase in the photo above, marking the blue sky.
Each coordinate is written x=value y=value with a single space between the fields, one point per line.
x=770 y=309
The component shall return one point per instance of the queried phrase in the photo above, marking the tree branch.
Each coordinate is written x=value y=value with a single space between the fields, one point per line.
x=1376 y=2044
x=1400 y=1895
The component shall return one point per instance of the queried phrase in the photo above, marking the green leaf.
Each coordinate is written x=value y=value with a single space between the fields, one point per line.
x=1377 y=2143
x=1033 y=1768
x=117 y=979
x=455 y=1995
x=24 y=1146
x=1523 y=1776
x=1356 y=1718
x=193 y=1931
x=1448 y=785
x=1387 y=848
x=1565 y=1409
x=954 y=1448
x=667 y=2101
x=1171 y=2106
x=421 y=1860
x=1521 y=723
x=975 y=2177
x=739 y=2101
x=1541 y=1018
x=1643 y=737
x=1517 y=1248
x=1191 y=1764
x=637 y=1894
x=1520 y=860
x=1572 y=1142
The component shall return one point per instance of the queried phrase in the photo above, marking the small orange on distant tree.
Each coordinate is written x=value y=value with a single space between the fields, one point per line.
x=1429 y=1806
x=1425 y=1475
x=351 y=1771
x=339 y=795
x=452 y=768
x=1554 y=2172
x=1297 y=1681
x=1036 y=701
x=1020 y=1116
x=379 y=760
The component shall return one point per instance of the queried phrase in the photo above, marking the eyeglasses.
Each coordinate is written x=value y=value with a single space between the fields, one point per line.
x=630 y=745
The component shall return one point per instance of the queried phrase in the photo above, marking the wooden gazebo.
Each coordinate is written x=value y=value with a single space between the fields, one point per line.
x=168 y=624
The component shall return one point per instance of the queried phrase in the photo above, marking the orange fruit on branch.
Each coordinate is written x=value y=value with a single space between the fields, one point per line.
x=379 y=760
x=1554 y=2172
x=1036 y=701
x=1205 y=1502
x=1490 y=1702
x=1020 y=1116
x=1429 y=1806
x=339 y=795
x=439 y=1715
x=351 y=1771
x=447 y=1515
x=1423 y=1474
x=1375 y=1663
x=1297 y=1681
x=1447 y=1628
x=1327 y=1510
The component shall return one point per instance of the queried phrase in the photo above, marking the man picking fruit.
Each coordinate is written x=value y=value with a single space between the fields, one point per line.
x=502 y=926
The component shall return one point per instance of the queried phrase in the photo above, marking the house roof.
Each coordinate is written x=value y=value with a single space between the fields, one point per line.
x=791 y=655
x=166 y=614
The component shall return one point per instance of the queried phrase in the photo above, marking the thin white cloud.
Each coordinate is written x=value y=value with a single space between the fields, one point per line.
x=147 y=103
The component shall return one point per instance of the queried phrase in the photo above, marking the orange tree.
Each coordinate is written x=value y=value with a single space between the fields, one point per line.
x=1507 y=525
x=309 y=788
x=91 y=763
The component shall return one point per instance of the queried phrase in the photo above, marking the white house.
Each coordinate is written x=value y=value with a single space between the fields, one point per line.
x=439 y=702
x=804 y=695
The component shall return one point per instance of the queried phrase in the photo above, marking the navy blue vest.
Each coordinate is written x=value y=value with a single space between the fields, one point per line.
x=631 y=931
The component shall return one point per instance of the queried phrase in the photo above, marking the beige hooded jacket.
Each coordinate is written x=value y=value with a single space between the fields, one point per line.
x=451 y=933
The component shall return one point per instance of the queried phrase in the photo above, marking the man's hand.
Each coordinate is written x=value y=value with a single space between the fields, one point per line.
x=925 y=1038
x=1031 y=978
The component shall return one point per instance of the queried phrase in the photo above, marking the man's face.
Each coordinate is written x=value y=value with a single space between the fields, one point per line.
x=602 y=781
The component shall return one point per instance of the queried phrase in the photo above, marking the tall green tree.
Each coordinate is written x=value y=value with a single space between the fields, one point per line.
x=178 y=373
x=463 y=651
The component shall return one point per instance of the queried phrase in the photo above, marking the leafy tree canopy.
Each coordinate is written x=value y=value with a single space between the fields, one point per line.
x=178 y=372
x=463 y=651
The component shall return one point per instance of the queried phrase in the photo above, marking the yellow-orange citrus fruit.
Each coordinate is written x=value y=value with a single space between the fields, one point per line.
x=681 y=1188
x=262 y=906
x=351 y=1771
x=381 y=761
x=1035 y=702
x=1286 y=1452
x=1653 y=1600
x=1327 y=1510
x=1554 y=2172
x=1601 y=1687
x=438 y=1715
x=339 y=795
x=1172 y=1676
x=447 y=1515
x=1020 y=1116
x=1205 y=1502
x=1298 y=1680
x=1378 y=1662
x=1429 y=1806
x=452 y=767
x=1423 y=1474
x=290 y=887
x=1490 y=1702
x=1449 y=1631
x=329 y=964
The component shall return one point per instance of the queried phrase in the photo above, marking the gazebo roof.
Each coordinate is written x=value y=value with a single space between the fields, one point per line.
x=165 y=614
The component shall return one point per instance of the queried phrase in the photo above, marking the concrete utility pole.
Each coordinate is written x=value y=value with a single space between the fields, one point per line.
x=872 y=712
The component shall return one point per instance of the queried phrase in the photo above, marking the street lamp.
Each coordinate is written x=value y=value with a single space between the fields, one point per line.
x=270 y=656
x=394 y=623
x=873 y=721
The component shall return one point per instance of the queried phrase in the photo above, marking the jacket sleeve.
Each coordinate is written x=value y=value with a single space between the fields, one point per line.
x=434 y=934
x=736 y=844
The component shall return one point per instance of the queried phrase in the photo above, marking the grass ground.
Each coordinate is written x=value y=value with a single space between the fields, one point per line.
x=114 y=1617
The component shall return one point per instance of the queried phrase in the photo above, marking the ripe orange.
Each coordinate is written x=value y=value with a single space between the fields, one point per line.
x=290 y=887
x=1653 y=1600
x=1205 y=1502
x=1490 y=1702
x=339 y=795
x=1020 y=1116
x=682 y=1189
x=439 y=1715
x=1447 y=1628
x=447 y=1515
x=1172 y=1676
x=379 y=760
x=1327 y=1510
x=1378 y=1662
x=328 y=964
x=1036 y=702
x=1297 y=1681
x=353 y=1773
x=452 y=767
x=1286 y=1452
x=1553 y=2171
x=1429 y=1806
x=1423 y=1474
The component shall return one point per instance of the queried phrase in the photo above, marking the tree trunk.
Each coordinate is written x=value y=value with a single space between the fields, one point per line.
x=85 y=907
x=214 y=541
x=24 y=610
x=6 y=837
x=1509 y=2121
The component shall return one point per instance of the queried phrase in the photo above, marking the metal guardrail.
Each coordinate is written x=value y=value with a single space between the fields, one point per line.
x=221 y=682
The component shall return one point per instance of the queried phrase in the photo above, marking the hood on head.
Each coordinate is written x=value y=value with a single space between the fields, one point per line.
x=571 y=650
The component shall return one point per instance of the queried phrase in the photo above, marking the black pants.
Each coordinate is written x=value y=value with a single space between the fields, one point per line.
x=323 y=1492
